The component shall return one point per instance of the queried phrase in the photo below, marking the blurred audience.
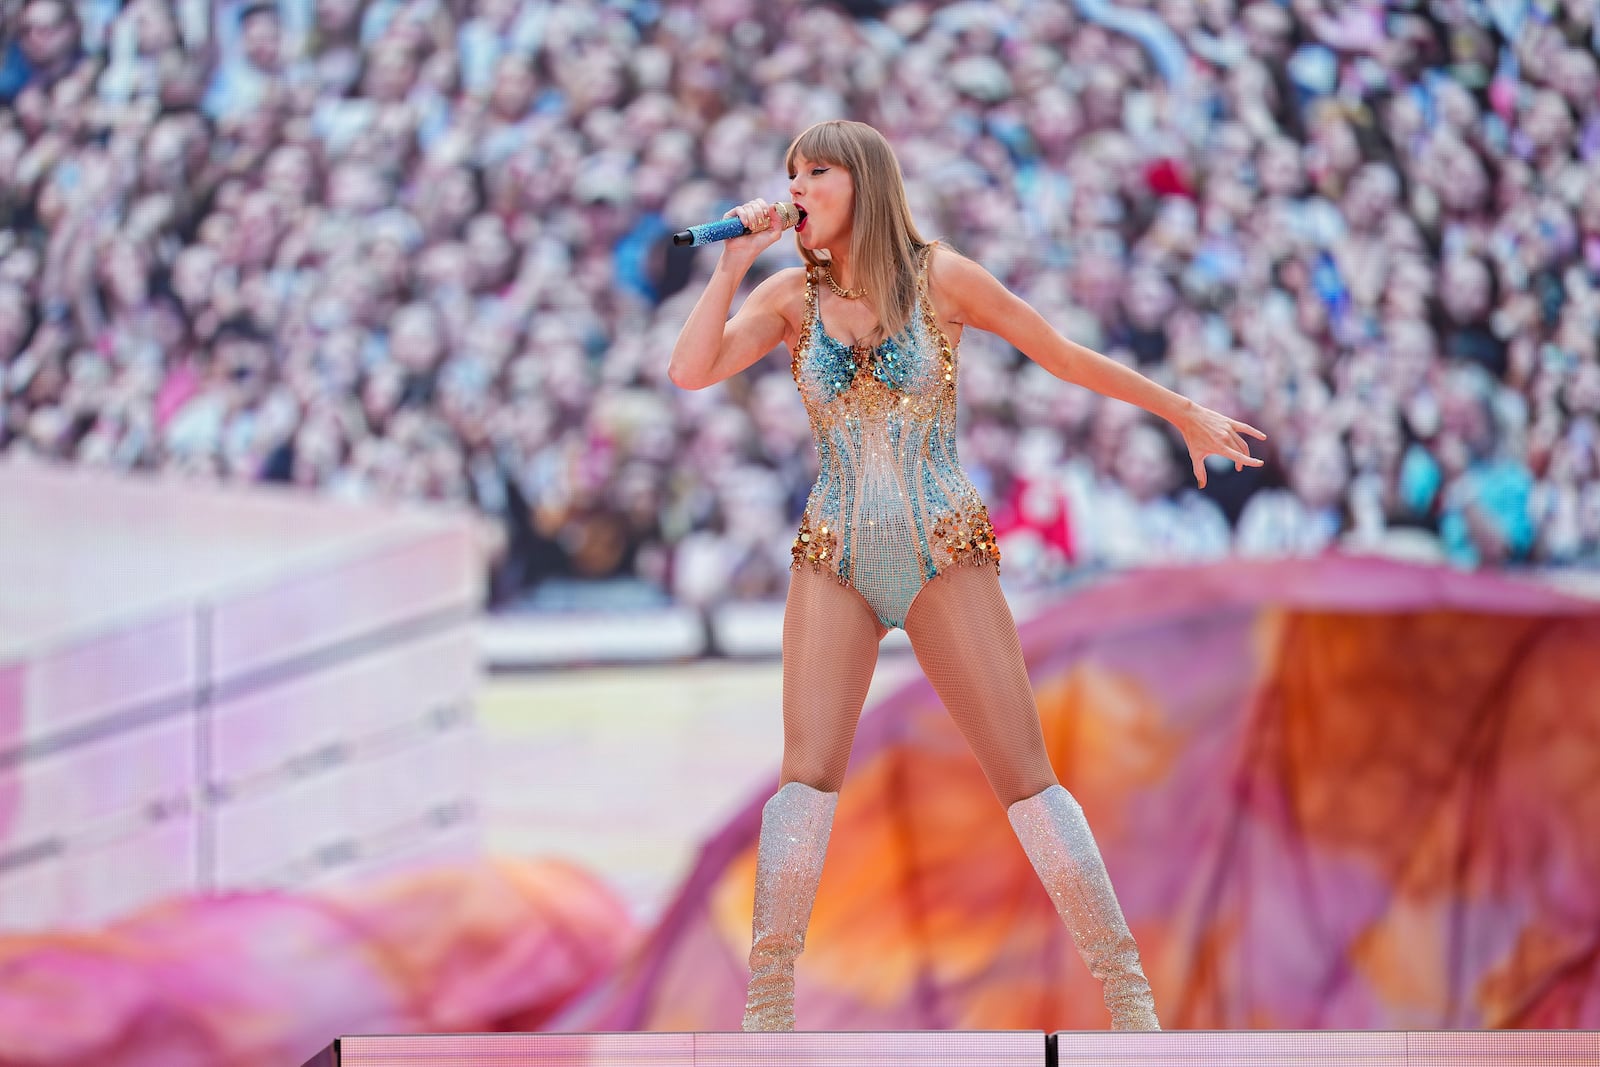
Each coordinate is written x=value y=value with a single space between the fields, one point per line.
x=414 y=250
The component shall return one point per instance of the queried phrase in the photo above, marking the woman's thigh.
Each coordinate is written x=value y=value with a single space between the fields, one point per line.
x=965 y=637
x=830 y=647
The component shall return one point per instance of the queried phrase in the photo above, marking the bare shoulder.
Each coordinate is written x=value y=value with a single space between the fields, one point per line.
x=955 y=282
x=782 y=290
x=946 y=266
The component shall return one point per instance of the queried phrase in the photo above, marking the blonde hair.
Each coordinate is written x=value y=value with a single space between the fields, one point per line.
x=885 y=247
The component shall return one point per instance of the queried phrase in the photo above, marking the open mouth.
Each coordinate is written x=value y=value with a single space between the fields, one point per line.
x=802 y=223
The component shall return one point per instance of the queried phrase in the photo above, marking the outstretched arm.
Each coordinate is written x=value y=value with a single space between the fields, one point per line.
x=711 y=346
x=970 y=295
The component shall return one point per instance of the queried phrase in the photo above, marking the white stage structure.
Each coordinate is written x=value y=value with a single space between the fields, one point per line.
x=207 y=688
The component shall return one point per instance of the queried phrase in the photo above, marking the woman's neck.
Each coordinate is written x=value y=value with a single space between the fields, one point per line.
x=839 y=268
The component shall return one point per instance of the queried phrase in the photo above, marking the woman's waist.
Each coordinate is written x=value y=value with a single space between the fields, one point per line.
x=859 y=492
x=895 y=478
x=878 y=464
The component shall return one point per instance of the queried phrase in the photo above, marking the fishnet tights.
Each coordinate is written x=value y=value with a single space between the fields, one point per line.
x=830 y=646
x=964 y=637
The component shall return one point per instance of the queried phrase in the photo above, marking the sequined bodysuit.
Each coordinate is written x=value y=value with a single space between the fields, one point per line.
x=891 y=508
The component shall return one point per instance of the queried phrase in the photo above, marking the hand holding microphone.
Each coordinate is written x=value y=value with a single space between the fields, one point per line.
x=751 y=217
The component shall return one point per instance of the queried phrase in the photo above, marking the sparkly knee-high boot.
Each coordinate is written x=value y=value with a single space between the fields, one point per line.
x=1056 y=837
x=795 y=825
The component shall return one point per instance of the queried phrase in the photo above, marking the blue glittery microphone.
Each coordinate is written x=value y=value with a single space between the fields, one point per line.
x=729 y=228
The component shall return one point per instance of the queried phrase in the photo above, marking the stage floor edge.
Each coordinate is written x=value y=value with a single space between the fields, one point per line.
x=1188 y=1048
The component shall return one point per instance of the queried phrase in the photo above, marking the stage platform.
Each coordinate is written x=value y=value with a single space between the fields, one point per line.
x=1176 y=1048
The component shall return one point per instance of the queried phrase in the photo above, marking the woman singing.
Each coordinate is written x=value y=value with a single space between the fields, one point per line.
x=895 y=535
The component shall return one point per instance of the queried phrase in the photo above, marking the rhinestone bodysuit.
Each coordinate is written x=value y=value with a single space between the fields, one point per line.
x=891 y=508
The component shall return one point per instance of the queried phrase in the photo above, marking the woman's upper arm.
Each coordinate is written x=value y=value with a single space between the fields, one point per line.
x=759 y=325
x=970 y=295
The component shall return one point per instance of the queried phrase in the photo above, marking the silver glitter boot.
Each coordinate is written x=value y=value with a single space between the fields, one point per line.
x=795 y=825
x=1056 y=837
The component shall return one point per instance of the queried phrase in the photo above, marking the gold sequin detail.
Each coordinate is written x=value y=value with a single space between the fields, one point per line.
x=965 y=538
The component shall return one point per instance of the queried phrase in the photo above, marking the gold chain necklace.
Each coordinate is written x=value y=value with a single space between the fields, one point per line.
x=848 y=294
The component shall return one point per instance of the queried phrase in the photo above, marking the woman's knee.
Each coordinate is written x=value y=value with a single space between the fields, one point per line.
x=822 y=777
x=1031 y=783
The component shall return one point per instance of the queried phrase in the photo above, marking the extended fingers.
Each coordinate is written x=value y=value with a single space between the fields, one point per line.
x=1235 y=448
x=1240 y=443
x=1223 y=440
x=1227 y=442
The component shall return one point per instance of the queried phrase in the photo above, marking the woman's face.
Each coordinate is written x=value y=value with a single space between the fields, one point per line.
x=191 y=274
x=1320 y=473
x=290 y=174
x=454 y=199
x=154 y=29
x=1145 y=465
x=826 y=193
x=513 y=88
x=1464 y=290
x=391 y=70
x=122 y=269
x=416 y=341
x=492 y=251
x=1278 y=164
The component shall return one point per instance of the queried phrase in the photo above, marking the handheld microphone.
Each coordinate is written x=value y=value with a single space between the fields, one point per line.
x=731 y=227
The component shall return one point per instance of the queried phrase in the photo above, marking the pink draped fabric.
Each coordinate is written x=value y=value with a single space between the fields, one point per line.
x=266 y=979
